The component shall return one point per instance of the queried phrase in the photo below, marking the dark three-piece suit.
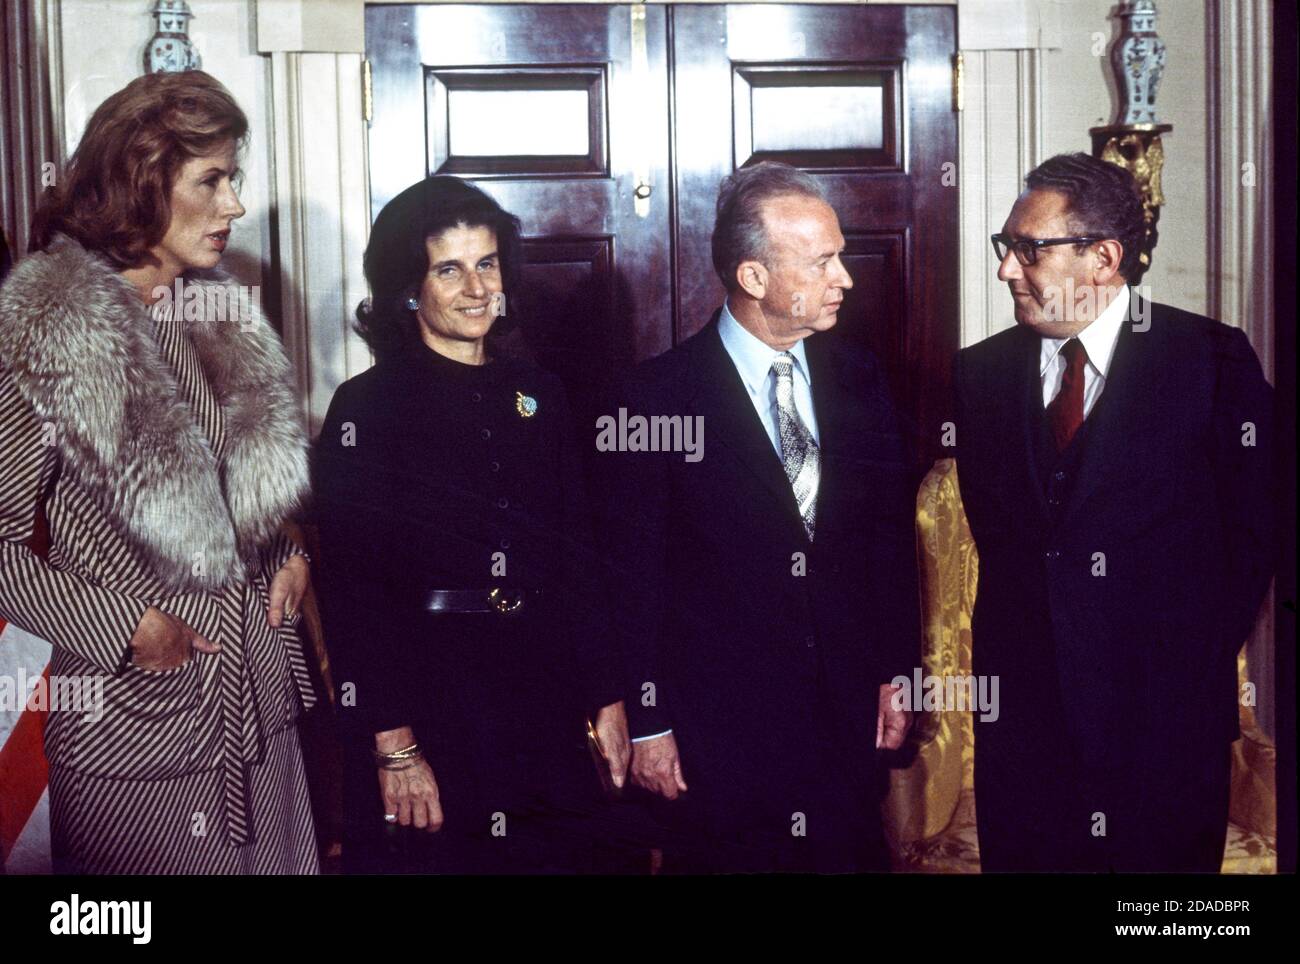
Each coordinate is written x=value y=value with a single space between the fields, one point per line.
x=1118 y=579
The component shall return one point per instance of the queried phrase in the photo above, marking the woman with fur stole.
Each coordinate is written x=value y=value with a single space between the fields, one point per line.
x=150 y=451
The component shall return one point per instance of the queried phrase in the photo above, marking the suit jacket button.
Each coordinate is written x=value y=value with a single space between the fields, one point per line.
x=810 y=642
x=503 y=503
x=505 y=543
x=477 y=397
x=486 y=433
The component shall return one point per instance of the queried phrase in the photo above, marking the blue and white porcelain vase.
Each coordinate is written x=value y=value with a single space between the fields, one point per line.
x=170 y=49
x=1139 y=60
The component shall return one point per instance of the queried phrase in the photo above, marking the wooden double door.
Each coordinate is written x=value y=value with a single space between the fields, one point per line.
x=607 y=129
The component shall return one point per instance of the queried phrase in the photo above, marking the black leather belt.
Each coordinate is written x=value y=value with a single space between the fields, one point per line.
x=504 y=601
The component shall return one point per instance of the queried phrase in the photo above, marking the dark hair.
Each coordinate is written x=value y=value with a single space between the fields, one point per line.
x=397 y=259
x=739 y=233
x=115 y=193
x=1104 y=200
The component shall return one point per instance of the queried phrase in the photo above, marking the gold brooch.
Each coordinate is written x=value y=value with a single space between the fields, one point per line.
x=525 y=405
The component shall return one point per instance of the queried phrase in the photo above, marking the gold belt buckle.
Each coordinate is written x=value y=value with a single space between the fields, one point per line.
x=505 y=603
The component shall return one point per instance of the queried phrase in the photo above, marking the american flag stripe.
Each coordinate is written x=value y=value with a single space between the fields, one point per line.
x=24 y=774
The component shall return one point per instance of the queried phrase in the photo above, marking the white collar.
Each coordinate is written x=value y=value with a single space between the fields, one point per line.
x=752 y=356
x=1099 y=338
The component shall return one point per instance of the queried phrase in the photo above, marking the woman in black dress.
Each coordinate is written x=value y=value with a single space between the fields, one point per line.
x=462 y=600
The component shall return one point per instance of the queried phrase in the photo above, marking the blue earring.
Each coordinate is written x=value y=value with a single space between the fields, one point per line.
x=413 y=304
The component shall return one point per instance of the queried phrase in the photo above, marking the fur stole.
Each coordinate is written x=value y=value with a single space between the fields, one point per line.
x=81 y=349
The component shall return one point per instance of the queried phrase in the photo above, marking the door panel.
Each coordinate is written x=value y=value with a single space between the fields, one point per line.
x=569 y=293
x=540 y=121
x=818 y=117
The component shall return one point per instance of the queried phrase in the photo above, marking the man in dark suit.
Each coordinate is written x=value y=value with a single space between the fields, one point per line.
x=1115 y=467
x=768 y=578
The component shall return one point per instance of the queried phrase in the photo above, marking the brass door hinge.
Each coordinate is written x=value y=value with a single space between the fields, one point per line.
x=367 y=92
x=958 y=82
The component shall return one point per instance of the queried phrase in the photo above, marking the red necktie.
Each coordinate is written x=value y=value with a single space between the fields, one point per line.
x=1065 y=413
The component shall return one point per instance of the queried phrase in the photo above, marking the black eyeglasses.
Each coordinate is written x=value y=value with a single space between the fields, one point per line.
x=1026 y=249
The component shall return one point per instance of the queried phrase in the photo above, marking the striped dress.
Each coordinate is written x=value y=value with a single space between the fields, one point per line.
x=194 y=770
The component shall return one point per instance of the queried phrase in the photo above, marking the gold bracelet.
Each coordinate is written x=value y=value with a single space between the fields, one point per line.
x=413 y=761
x=397 y=756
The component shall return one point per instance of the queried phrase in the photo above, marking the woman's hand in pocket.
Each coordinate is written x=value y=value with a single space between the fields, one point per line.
x=162 y=642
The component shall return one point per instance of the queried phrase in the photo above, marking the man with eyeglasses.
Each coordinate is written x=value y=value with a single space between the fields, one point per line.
x=1115 y=459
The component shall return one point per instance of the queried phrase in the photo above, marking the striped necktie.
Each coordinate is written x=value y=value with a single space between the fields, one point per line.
x=799 y=450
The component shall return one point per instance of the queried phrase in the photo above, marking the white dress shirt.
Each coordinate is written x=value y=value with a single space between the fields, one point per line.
x=753 y=360
x=1099 y=340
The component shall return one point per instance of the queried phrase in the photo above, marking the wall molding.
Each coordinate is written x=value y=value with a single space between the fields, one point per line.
x=321 y=217
x=318 y=26
x=1003 y=109
x=1009 y=24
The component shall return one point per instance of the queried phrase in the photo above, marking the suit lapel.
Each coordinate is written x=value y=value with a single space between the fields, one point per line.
x=730 y=420
x=1029 y=414
x=1128 y=404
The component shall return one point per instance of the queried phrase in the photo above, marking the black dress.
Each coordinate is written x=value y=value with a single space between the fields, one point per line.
x=436 y=475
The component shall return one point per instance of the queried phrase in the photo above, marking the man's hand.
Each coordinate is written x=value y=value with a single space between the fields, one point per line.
x=164 y=642
x=411 y=793
x=891 y=724
x=657 y=768
x=611 y=733
x=287 y=589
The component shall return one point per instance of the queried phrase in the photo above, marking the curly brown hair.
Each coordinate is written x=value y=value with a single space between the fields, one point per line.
x=115 y=193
